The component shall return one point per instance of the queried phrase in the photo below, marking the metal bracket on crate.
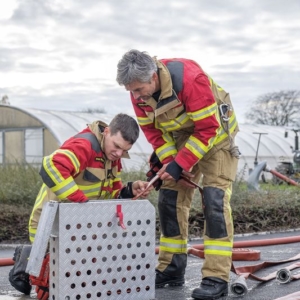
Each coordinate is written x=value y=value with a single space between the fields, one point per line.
x=41 y=240
x=120 y=215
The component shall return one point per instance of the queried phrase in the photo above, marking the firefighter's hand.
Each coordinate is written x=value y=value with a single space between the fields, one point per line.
x=170 y=171
x=175 y=175
x=139 y=186
x=163 y=175
x=155 y=166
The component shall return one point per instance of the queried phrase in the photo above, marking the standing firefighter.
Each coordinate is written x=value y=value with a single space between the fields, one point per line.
x=87 y=166
x=190 y=123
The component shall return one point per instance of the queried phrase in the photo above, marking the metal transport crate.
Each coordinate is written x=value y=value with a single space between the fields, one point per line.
x=94 y=255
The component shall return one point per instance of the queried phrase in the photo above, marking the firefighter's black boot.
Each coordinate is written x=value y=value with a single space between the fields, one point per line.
x=162 y=279
x=18 y=278
x=211 y=288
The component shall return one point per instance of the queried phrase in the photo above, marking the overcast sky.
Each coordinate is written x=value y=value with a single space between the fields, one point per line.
x=62 y=55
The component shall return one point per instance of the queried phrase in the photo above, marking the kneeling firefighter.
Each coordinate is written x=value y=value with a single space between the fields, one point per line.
x=87 y=166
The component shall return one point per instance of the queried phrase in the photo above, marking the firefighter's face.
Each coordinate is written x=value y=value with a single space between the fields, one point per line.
x=114 y=145
x=143 y=90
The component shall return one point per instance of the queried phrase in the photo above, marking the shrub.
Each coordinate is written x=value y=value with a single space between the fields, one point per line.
x=273 y=207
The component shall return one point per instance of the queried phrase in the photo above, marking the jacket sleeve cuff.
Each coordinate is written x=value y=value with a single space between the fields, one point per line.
x=174 y=170
x=126 y=192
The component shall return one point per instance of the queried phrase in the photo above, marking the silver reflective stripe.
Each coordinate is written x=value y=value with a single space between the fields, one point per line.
x=51 y=170
x=65 y=188
x=221 y=248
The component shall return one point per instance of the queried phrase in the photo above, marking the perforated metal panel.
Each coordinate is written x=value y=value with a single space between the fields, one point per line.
x=92 y=257
x=41 y=241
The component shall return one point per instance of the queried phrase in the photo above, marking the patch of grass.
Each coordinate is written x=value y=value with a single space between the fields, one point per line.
x=20 y=184
x=272 y=208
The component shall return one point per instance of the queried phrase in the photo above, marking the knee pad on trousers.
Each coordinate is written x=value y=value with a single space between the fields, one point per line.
x=167 y=201
x=18 y=278
x=214 y=212
x=177 y=265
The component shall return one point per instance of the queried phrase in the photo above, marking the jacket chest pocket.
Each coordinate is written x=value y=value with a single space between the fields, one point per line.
x=171 y=114
x=94 y=175
x=175 y=112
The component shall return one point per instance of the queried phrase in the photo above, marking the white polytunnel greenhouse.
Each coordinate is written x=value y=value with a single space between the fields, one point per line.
x=29 y=134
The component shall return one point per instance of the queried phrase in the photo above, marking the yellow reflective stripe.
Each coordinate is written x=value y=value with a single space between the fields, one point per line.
x=113 y=195
x=194 y=145
x=229 y=193
x=94 y=189
x=218 y=243
x=39 y=199
x=172 y=245
x=91 y=190
x=204 y=113
x=173 y=250
x=105 y=195
x=41 y=195
x=106 y=183
x=217 y=247
x=176 y=123
x=212 y=82
x=51 y=170
x=73 y=158
x=168 y=240
x=117 y=179
x=65 y=188
x=32 y=233
x=167 y=137
x=232 y=126
x=144 y=121
x=166 y=150
x=218 y=252
x=86 y=188
x=38 y=202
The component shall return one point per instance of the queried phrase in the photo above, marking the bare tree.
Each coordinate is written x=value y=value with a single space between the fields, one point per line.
x=278 y=109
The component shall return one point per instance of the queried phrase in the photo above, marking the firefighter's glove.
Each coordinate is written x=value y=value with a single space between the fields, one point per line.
x=174 y=170
x=42 y=281
x=42 y=292
x=155 y=166
x=126 y=191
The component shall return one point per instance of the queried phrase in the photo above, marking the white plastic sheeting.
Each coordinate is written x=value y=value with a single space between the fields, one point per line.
x=64 y=124
x=272 y=148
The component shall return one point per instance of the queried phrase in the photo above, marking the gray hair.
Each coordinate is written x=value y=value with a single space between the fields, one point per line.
x=127 y=126
x=135 y=66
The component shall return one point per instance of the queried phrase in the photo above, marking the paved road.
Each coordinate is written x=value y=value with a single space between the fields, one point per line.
x=256 y=291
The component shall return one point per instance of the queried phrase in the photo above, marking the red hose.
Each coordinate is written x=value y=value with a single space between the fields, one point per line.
x=240 y=244
x=6 y=262
x=237 y=254
x=281 y=176
x=254 y=243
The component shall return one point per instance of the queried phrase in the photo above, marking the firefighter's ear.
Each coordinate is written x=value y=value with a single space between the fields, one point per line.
x=106 y=131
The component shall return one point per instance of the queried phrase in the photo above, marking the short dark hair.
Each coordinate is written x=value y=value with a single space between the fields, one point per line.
x=127 y=126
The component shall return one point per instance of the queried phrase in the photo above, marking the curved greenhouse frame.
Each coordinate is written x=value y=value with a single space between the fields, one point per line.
x=29 y=134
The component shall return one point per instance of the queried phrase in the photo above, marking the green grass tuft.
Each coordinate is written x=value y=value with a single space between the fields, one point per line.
x=274 y=207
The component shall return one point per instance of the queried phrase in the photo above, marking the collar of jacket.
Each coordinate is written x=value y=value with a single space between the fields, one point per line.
x=168 y=98
x=94 y=127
